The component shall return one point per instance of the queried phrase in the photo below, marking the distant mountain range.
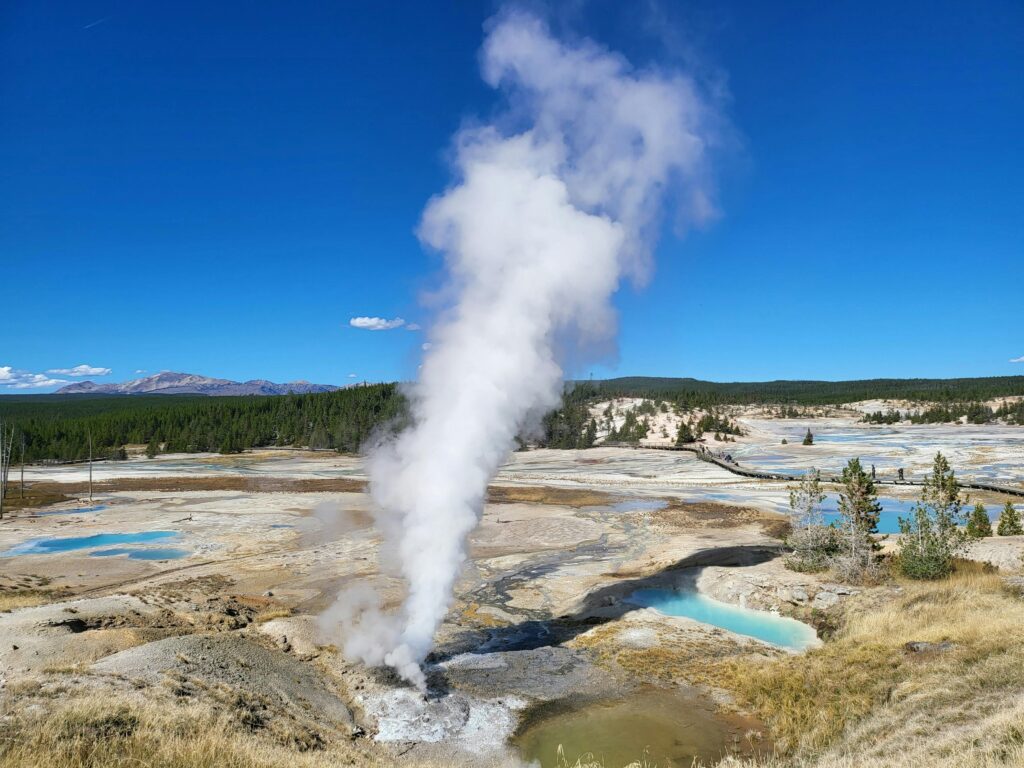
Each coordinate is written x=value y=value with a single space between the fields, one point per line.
x=169 y=383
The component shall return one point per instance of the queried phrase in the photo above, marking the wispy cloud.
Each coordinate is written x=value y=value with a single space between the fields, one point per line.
x=412 y=327
x=81 y=370
x=95 y=23
x=1018 y=360
x=11 y=378
x=140 y=370
x=376 y=323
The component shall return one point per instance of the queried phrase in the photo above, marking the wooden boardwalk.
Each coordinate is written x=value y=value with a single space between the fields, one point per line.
x=759 y=474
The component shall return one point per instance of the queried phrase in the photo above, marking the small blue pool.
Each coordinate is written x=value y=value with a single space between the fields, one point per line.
x=54 y=545
x=75 y=511
x=157 y=553
x=777 y=630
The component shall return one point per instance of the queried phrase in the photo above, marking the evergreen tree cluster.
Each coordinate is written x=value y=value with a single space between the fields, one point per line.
x=713 y=421
x=791 y=412
x=571 y=425
x=59 y=429
x=891 y=416
x=932 y=537
x=695 y=393
x=849 y=546
x=633 y=429
x=976 y=413
x=1013 y=413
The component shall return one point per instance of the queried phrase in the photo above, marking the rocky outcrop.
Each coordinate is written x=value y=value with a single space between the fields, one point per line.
x=771 y=587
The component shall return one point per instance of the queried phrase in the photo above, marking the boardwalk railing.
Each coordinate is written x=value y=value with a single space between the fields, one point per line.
x=725 y=462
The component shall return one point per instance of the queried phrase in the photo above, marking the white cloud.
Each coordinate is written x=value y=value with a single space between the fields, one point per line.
x=14 y=379
x=1018 y=360
x=81 y=370
x=376 y=323
x=140 y=370
x=412 y=327
x=351 y=375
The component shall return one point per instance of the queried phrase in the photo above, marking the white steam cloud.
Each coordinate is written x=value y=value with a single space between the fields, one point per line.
x=553 y=204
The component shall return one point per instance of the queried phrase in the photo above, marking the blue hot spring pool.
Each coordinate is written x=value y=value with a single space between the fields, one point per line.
x=55 y=545
x=156 y=553
x=894 y=509
x=777 y=630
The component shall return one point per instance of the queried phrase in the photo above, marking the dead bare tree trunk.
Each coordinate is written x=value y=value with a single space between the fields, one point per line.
x=23 y=465
x=90 y=466
x=6 y=444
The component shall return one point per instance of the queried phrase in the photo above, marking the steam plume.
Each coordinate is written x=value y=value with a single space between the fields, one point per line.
x=553 y=203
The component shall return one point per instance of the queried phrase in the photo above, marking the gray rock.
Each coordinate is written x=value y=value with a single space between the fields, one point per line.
x=542 y=673
x=919 y=646
x=238 y=663
x=825 y=600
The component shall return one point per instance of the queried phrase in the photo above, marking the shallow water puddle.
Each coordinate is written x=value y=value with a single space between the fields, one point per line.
x=777 y=630
x=656 y=727
x=75 y=511
x=54 y=545
x=156 y=553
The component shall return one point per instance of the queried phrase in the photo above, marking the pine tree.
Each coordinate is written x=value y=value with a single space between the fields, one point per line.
x=1009 y=522
x=153 y=448
x=685 y=434
x=978 y=525
x=591 y=434
x=813 y=542
x=859 y=512
x=808 y=438
x=931 y=538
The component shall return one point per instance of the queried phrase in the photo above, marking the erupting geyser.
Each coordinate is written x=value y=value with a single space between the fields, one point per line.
x=552 y=205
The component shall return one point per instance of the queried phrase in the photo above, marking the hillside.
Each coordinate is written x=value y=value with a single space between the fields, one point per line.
x=58 y=427
x=813 y=392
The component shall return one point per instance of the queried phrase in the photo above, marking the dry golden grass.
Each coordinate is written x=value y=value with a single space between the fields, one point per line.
x=33 y=496
x=864 y=700
x=180 y=483
x=273 y=613
x=25 y=591
x=24 y=599
x=568 y=497
x=680 y=515
x=102 y=730
x=678 y=656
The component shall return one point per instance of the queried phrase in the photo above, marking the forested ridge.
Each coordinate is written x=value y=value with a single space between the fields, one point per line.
x=703 y=393
x=58 y=428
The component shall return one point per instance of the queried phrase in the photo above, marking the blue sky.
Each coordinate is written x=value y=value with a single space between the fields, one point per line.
x=221 y=189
